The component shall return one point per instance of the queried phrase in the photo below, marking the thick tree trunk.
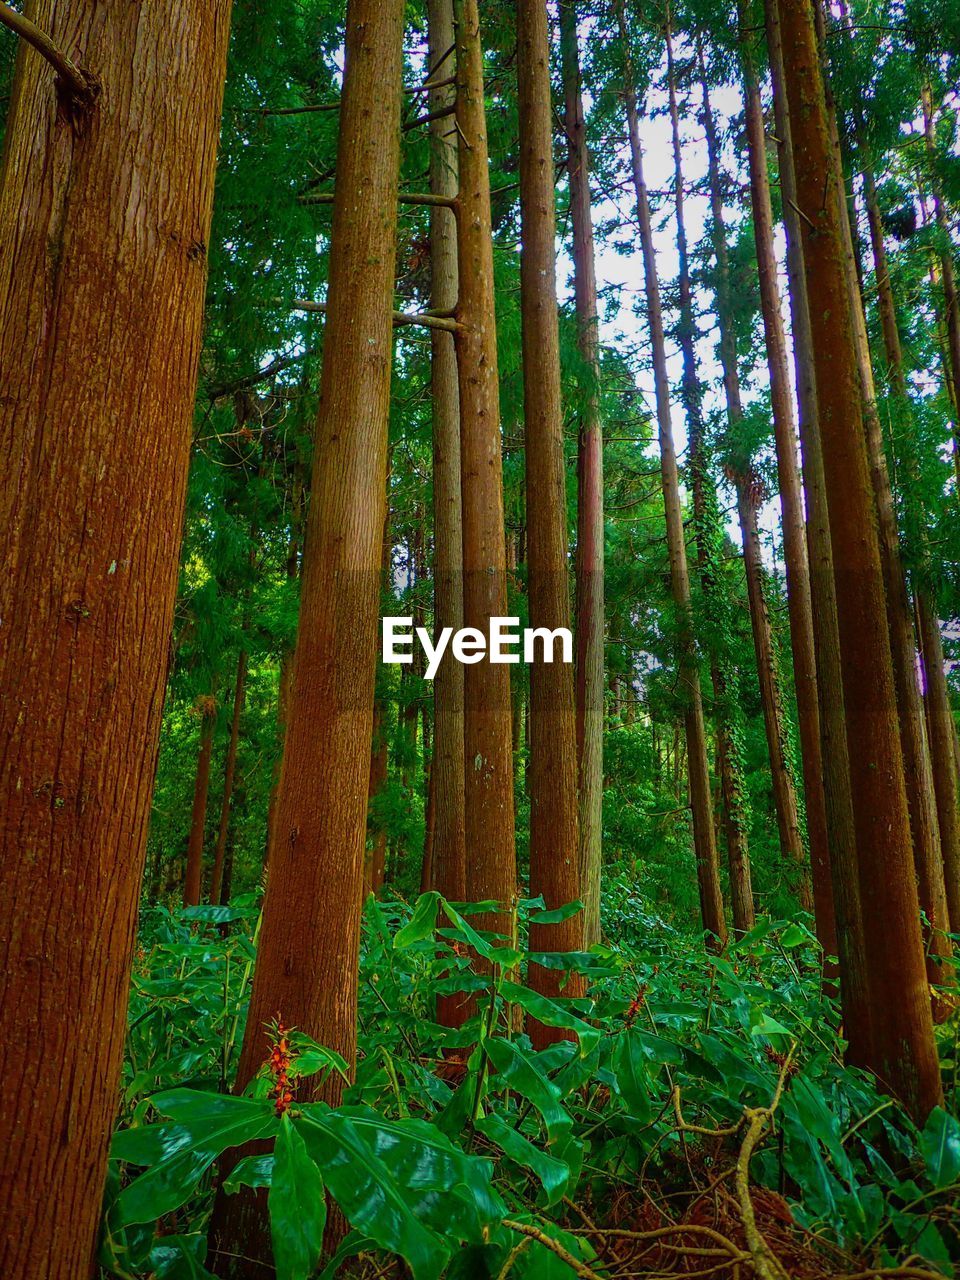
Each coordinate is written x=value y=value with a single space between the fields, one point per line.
x=448 y=862
x=102 y=278
x=706 y=518
x=229 y=774
x=590 y=541
x=917 y=772
x=791 y=502
x=833 y=732
x=490 y=853
x=771 y=700
x=903 y=1052
x=206 y=708
x=552 y=774
x=936 y=835
x=708 y=877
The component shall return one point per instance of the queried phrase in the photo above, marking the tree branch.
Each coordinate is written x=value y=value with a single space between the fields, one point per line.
x=79 y=87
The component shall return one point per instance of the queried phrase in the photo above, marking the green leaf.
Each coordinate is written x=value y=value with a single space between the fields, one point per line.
x=466 y=932
x=179 y=1258
x=630 y=1068
x=522 y=1072
x=558 y=915
x=550 y=1012
x=298 y=1207
x=421 y=924
x=940 y=1144
x=251 y=1171
x=553 y=1174
x=205 y=1125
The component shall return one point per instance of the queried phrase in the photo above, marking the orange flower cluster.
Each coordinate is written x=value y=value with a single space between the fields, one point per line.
x=278 y=1064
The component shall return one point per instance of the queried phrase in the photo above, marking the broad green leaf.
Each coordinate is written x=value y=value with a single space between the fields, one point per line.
x=630 y=1068
x=251 y=1171
x=421 y=924
x=205 y=1125
x=523 y=1073
x=940 y=1144
x=557 y=916
x=179 y=1258
x=553 y=1174
x=550 y=1012
x=298 y=1206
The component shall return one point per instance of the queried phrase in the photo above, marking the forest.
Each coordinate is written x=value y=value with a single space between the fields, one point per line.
x=480 y=639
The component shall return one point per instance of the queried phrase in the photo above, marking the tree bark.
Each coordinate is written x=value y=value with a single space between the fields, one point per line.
x=589 y=604
x=206 y=708
x=844 y=873
x=306 y=970
x=447 y=770
x=101 y=307
x=704 y=838
x=552 y=772
x=488 y=788
x=771 y=700
x=902 y=1052
x=791 y=501
x=229 y=773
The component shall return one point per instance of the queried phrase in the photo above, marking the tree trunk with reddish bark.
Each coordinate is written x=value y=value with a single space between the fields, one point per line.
x=491 y=871
x=306 y=970
x=791 y=501
x=552 y=772
x=104 y=219
x=590 y=548
x=902 y=1053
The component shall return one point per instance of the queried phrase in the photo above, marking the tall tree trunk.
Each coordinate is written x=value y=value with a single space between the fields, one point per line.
x=791 y=501
x=903 y=1052
x=951 y=303
x=229 y=773
x=844 y=872
x=447 y=771
x=491 y=856
x=552 y=776
x=918 y=777
x=939 y=870
x=206 y=708
x=704 y=838
x=590 y=541
x=706 y=518
x=306 y=970
x=102 y=278
x=781 y=776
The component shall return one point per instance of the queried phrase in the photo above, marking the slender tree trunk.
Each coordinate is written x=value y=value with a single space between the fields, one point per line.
x=490 y=853
x=947 y=274
x=903 y=1052
x=306 y=969
x=206 y=708
x=791 y=501
x=102 y=277
x=447 y=772
x=833 y=732
x=706 y=521
x=229 y=773
x=590 y=542
x=942 y=731
x=708 y=876
x=771 y=700
x=552 y=777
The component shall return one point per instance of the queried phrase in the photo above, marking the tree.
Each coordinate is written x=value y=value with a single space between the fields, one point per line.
x=488 y=789
x=552 y=774
x=105 y=235
x=902 y=1052
x=206 y=709
x=306 y=969
x=705 y=846
x=590 y=540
